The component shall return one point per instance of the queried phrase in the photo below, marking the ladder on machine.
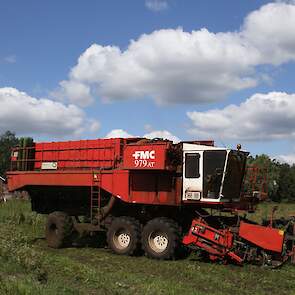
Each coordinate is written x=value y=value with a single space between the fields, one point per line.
x=95 y=197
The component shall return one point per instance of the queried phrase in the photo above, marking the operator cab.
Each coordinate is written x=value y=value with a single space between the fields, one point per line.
x=212 y=174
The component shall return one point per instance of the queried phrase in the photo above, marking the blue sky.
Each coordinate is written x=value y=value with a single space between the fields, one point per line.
x=149 y=92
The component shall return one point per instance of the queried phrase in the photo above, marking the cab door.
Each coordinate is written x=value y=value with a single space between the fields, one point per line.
x=213 y=173
x=192 y=175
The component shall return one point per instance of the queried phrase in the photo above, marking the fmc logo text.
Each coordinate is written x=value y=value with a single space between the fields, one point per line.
x=144 y=155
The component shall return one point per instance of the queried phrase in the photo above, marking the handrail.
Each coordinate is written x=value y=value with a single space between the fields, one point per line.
x=24 y=158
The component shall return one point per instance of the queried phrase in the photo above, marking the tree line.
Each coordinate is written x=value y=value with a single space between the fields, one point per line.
x=7 y=141
x=280 y=176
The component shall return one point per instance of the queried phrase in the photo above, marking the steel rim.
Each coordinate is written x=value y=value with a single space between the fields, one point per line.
x=121 y=239
x=158 y=241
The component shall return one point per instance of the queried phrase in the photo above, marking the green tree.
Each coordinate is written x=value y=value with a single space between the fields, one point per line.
x=286 y=190
x=280 y=177
x=7 y=141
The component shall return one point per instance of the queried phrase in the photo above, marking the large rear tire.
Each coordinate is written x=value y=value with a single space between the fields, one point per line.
x=161 y=238
x=123 y=235
x=59 y=228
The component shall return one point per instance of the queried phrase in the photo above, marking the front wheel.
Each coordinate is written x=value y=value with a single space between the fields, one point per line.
x=161 y=238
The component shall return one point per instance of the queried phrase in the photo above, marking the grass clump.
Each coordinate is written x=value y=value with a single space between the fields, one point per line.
x=17 y=247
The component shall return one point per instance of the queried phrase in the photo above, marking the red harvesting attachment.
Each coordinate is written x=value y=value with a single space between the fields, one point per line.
x=244 y=242
x=217 y=243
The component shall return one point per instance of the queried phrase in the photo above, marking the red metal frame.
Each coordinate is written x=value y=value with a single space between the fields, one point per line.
x=221 y=243
x=217 y=243
x=156 y=189
x=293 y=247
x=256 y=179
x=135 y=170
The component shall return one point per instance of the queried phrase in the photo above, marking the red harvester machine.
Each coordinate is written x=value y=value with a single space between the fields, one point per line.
x=152 y=195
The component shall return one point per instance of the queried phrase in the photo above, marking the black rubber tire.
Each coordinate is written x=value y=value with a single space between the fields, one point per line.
x=124 y=225
x=165 y=227
x=59 y=229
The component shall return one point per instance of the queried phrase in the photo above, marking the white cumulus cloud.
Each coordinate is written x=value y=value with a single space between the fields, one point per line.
x=118 y=133
x=77 y=92
x=289 y=158
x=24 y=114
x=270 y=30
x=156 y=5
x=175 y=66
x=261 y=117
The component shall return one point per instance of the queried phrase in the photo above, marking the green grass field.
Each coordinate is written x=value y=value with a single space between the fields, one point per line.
x=27 y=266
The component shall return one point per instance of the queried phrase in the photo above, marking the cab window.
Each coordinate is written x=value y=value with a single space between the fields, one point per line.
x=192 y=165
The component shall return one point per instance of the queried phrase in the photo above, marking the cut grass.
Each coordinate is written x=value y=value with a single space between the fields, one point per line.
x=27 y=266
